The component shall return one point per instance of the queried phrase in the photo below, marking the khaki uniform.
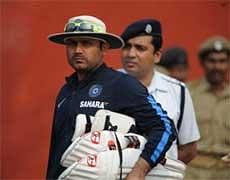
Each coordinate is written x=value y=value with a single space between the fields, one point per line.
x=213 y=118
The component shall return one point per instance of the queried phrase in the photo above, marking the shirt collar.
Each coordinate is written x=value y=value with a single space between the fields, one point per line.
x=205 y=86
x=157 y=84
x=227 y=91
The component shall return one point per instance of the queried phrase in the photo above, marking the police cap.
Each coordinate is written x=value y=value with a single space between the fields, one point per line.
x=214 y=44
x=150 y=27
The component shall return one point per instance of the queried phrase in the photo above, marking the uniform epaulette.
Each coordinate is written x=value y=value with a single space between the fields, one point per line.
x=171 y=80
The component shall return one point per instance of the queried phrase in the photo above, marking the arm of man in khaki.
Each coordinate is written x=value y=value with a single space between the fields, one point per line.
x=189 y=133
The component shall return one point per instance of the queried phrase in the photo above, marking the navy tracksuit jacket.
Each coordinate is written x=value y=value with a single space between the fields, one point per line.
x=115 y=91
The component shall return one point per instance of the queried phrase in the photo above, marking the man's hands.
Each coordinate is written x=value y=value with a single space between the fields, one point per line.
x=139 y=171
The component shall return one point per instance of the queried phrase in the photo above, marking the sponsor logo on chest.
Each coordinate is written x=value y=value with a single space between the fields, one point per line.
x=92 y=104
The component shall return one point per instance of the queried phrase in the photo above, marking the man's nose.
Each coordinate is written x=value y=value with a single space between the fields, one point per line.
x=218 y=64
x=132 y=52
x=78 y=48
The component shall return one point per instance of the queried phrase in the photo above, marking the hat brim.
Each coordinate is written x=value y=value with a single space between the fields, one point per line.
x=113 y=40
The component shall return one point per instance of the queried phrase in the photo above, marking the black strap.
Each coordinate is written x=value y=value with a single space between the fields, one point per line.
x=88 y=124
x=182 y=102
x=120 y=154
x=110 y=127
x=108 y=124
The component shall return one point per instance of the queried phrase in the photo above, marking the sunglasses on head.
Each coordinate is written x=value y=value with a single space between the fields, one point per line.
x=82 y=27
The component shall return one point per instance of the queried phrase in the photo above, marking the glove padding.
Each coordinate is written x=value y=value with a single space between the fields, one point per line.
x=93 y=143
x=121 y=122
x=101 y=166
x=172 y=169
x=95 y=156
x=105 y=166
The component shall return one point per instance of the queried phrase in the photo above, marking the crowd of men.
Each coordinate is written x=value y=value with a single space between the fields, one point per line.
x=181 y=120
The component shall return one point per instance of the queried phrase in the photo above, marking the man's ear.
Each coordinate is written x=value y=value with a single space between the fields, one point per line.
x=157 y=56
x=104 y=46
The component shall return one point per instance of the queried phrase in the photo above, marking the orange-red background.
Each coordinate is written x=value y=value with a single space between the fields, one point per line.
x=33 y=69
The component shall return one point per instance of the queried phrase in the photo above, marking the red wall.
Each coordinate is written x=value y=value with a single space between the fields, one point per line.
x=33 y=69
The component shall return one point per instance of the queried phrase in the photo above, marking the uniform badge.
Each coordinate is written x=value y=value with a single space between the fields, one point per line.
x=95 y=90
x=148 y=28
x=218 y=46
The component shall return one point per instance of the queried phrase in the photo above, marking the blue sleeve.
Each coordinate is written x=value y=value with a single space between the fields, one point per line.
x=151 y=120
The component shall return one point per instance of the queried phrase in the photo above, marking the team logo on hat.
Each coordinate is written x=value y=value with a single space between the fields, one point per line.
x=95 y=90
x=148 y=28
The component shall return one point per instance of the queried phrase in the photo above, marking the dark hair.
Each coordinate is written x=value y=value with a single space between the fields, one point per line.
x=157 y=42
x=174 y=56
x=101 y=44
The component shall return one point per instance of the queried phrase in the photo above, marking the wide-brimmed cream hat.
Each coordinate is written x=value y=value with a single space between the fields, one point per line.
x=89 y=27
